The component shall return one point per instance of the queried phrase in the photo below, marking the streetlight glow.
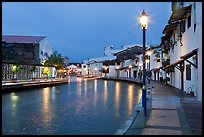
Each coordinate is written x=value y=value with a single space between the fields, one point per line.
x=117 y=67
x=149 y=53
x=144 y=20
x=147 y=61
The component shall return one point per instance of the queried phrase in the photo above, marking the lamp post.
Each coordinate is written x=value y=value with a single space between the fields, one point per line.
x=149 y=53
x=143 y=22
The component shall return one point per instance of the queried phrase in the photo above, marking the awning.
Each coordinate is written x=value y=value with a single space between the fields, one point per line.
x=179 y=14
x=122 y=68
x=156 y=69
x=173 y=64
x=127 y=67
x=190 y=54
x=170 y=28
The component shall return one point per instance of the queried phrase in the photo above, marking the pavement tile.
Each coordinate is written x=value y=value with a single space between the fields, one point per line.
x=164 y=118
x=163 y=104
x=153 y=131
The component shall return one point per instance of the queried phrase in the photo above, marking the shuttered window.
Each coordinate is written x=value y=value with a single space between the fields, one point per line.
x=183 y=26
x=189 y=21
x=188 y=72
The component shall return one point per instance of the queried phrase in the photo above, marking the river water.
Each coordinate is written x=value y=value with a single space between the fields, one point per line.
x=80 y=107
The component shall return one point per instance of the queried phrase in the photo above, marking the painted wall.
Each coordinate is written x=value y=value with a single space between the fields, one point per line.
x=45 y=47
x=190 y=40
x=198 y=40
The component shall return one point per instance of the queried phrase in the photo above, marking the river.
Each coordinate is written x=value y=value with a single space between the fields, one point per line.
x=80 y=107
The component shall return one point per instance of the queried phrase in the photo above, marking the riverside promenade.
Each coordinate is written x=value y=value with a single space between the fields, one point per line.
x=10 y=86
x=173 y=113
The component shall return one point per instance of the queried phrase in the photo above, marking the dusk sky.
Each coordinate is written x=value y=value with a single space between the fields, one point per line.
x=81 y=30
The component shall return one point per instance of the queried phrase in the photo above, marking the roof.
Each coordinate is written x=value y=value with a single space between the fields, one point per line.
x=179 y=14
x=72 y=67
x=22 y=39
x=170 y=27
x=100 y=59
x=125 y=47
x=128 y=53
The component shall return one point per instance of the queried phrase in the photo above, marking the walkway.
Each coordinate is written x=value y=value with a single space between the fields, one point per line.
x=172 y=114
x=12 y=85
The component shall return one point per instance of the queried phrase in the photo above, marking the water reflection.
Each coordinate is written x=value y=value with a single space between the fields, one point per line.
x=117 y=97
x=79 y=80
x=130 y=98
x=105 y=91
x=14 y=100
x=46 y=117
x=95 y=92
x=90 y=107
x=85 y=86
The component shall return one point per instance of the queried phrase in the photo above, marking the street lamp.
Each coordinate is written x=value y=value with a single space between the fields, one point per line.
x=144 y=22
x=148 y=54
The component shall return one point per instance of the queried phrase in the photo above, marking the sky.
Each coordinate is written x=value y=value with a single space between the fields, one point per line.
x=81 y=30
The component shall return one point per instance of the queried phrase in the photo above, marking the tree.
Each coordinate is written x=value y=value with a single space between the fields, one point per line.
x=55 y=60
x=46 y=71
x=16 y=69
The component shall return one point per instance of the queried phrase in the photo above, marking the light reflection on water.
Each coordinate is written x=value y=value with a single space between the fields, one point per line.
x=79 y=107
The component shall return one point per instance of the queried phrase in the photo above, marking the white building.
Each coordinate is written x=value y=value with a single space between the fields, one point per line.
x=28 y=49
x=96 y=66
x=45 y=49
x=126 y=61
x=183 y=45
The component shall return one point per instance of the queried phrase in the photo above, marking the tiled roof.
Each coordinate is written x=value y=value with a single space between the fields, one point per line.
x=22 y=39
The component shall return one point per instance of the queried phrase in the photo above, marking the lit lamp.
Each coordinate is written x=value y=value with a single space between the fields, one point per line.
x=144 y=22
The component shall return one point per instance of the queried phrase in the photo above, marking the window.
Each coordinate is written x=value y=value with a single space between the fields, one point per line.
x=182 y=26
x=189 y=21
x=41 y=52
x=158 y=60
x=188 y=72
x=84 y=66
x=46 y=54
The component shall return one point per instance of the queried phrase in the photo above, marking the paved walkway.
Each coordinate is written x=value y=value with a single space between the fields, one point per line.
x=172 y=114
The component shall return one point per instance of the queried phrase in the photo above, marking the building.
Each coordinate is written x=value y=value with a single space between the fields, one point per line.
x=101 y=66
x=115 y=63
x=182 y=46
x=154 y=62
x=27 y=52
x=25 y=49
x=127 y=61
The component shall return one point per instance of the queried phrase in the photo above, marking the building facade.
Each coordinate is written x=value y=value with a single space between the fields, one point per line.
x=25 y=49
x=28 y=53
x=182 y=44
